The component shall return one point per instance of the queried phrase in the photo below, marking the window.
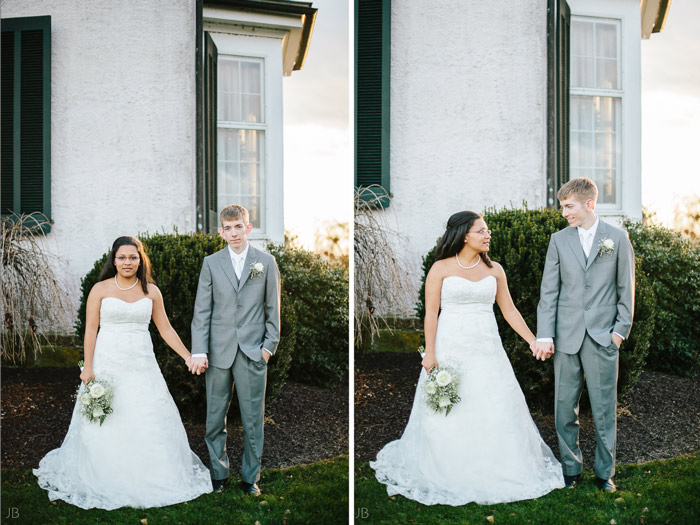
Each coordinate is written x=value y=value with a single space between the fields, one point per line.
x=372 y=63
x=241 y=136
x=26 y=111
x=596 y=100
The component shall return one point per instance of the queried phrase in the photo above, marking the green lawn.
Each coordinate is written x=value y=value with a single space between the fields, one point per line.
x=316 y=493
x=666 y=491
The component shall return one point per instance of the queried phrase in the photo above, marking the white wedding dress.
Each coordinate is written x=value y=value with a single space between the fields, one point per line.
x=140 y=456
x=487 y=450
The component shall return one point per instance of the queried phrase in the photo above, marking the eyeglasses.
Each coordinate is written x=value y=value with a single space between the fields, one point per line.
x=482 y=232
x=133 y=258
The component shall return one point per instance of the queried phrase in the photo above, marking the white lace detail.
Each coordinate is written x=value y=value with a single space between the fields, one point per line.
x=487 y=450
x=140 y=457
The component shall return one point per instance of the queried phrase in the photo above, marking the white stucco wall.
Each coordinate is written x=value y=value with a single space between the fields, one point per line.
x=122 y=122
x=468 y=110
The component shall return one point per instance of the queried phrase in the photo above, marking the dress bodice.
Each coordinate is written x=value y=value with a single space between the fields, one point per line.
x=462 y=294
x=116 y=314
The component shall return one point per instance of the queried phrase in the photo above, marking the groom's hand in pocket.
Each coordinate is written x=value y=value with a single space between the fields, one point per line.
x=617 y=340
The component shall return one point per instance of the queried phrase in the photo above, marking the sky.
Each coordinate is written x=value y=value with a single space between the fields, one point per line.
x=317 y=142
x=671 y=111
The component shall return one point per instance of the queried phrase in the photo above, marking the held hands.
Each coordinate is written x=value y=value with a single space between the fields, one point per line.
x=197 y=365
x=542 y=350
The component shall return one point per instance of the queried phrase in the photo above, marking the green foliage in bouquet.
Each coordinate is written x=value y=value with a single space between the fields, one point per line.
x=176 y=262
x=673 y=265
x=318 y=290
x=519 y=243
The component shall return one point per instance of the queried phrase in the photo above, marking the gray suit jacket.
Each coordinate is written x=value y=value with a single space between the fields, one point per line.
x=596 y=296
x=229 y=314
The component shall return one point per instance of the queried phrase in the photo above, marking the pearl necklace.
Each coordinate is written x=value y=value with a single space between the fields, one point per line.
x=467 y=267
x=125 y=289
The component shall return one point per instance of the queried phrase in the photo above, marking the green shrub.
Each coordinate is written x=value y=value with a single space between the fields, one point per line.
x=319 y=292
x=519 y=243
x=177 y=261
x=673 y=263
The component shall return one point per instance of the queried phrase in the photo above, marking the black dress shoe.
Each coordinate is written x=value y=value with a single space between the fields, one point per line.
x=605 y=484
x=219 y=484
x=251 y=488
x=570 y=482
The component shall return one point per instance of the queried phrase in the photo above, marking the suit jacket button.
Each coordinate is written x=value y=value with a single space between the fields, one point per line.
x=587 y=287
x=586 y=308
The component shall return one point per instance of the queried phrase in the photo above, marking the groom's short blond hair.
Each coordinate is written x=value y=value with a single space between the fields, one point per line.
x=580 y=188
x=233 y=212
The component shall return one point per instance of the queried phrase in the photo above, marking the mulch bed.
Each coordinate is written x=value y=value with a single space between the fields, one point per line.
x=659 y=418
x=303 y=425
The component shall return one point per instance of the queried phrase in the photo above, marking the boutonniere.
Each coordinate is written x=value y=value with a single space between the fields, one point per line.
x=256 y=269
x=606 y=247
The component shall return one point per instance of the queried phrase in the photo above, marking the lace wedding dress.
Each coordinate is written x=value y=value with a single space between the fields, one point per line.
x=487 y=450
x=140 y=456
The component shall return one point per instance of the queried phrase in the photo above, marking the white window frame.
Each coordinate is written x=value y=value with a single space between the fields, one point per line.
x=257 y=126
x=246 y=42
x=618 y=93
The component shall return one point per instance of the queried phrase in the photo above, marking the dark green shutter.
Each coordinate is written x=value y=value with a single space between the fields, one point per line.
x=26 y=115
x=372 y=72
x=558 y=73
x=210 y=132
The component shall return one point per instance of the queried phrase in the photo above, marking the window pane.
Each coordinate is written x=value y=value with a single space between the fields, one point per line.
x=581 y=113
x=582 y=53
x=606 y=40
x=595 y=54
x=240 y=90
x=605 y=180
x=241 y=177
x=594 y=149
x=606 y=73
x=229 y=99
x=250 y=75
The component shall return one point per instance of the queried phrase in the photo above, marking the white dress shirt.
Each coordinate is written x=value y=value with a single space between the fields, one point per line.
x=586 y=237
x=237 y=260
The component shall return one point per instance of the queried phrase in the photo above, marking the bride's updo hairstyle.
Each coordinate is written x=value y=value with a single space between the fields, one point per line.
x=143 y=273
x=452 y=241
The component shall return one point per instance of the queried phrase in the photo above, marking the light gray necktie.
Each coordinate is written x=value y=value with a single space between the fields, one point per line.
x=238 y=266
x=587 y=241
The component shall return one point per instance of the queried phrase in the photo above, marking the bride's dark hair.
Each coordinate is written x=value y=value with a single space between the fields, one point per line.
x=452 y=241
x=143 y=273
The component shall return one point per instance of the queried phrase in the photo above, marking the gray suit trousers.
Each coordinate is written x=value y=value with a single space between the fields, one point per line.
x=249 y=378
x=599 y=364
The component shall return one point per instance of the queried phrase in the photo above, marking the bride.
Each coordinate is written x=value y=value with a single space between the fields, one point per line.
x=487 y=449
x=140 y=456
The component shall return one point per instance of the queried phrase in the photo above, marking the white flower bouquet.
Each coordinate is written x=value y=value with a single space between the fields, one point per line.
x=95 y=399
x=441 y=389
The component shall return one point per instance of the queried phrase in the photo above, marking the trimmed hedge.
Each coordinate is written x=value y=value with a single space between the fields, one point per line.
x=319 y=291
x=519 y=243
x=176 y=261
x=673 y=263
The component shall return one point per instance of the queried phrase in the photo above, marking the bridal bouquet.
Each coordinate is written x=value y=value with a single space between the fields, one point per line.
x=441 y=388
x=95 y=399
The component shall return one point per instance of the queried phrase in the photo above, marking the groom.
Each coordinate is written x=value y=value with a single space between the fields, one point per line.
x=235 y=331
x=586 y=306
